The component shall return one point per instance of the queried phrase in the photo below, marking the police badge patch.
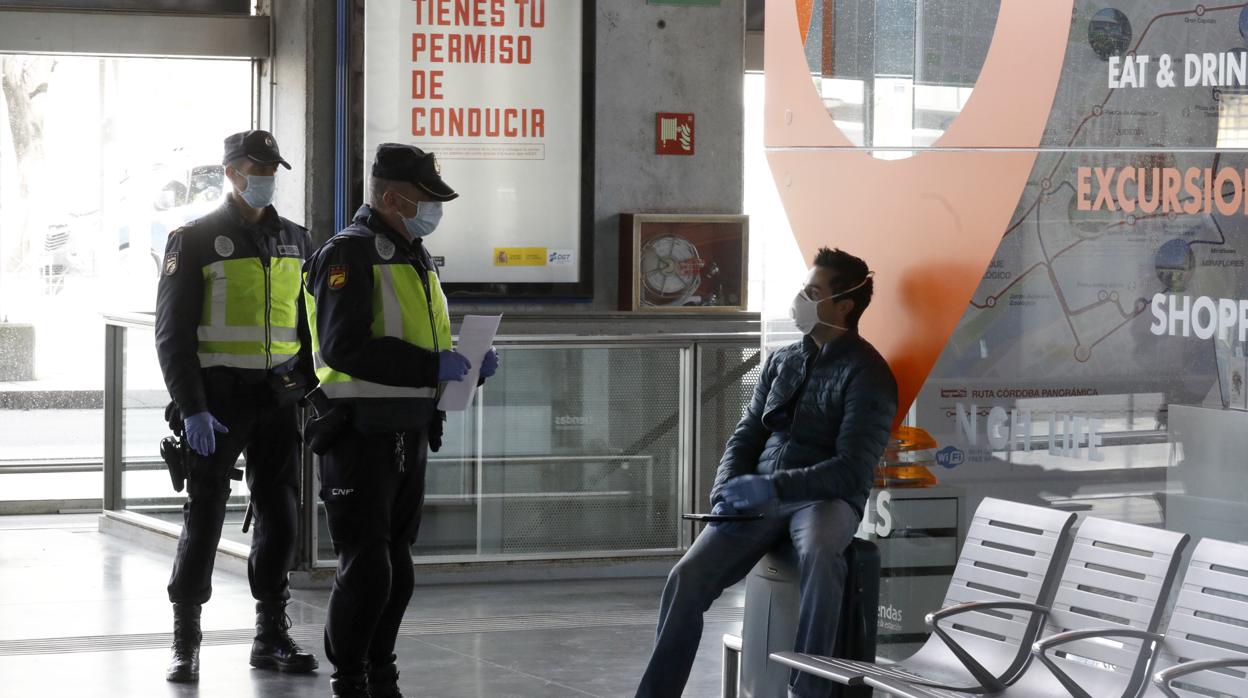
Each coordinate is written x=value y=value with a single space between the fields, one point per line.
x=171 y=263
x=223 y=246
x=385 y=248
x=337 y=276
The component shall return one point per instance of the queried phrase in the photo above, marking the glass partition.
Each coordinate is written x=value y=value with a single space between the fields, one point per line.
x=571 y=451
x=146 y=485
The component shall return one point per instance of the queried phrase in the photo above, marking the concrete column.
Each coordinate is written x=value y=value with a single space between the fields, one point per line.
x=296 y=102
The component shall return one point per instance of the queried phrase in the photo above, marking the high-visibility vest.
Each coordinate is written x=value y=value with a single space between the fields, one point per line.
x=404 y=307
x=251 y=312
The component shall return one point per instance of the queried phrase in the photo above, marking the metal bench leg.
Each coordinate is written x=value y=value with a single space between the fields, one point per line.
x=730 y=678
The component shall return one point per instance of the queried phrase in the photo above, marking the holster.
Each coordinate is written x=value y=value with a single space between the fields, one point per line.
x=173 y=417
x=173 y=452
x=323 y=430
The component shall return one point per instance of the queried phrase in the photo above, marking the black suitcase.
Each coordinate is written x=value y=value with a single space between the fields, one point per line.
x=770 y=624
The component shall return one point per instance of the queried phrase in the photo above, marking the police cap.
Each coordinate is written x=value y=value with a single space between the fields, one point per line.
x=407 y=163
x=256 y=145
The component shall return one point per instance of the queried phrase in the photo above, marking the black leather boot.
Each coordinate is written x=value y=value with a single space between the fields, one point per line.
x=273 y=648
x=351 y=686
x=184 y=667
x=383 y=680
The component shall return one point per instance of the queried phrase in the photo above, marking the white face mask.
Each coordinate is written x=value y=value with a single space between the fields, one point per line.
x=805 y=312
x=428 y=215
x=259 y=191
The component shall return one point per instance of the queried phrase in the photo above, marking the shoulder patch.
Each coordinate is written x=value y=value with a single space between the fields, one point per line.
x=337 y=276
x=171 y=264
x=223 y=246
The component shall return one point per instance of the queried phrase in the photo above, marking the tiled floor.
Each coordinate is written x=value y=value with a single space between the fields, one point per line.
x=85 y=615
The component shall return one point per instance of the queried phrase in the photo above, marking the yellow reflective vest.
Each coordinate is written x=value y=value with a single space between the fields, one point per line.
x=400 y=304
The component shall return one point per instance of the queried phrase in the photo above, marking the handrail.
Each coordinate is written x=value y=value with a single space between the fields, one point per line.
x=612 y=320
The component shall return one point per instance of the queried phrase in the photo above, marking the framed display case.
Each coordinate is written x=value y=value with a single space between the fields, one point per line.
x=683 y=262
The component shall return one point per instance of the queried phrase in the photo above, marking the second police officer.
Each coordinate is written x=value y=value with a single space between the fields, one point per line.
x=234 y=350
x=382 y=347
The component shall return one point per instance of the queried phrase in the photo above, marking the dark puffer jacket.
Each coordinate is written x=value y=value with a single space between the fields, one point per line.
x=827 y=443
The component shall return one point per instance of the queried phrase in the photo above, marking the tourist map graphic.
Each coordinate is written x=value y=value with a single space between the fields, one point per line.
x=1066 y=296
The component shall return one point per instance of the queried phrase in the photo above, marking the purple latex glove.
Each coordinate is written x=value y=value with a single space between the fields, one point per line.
x=201 y=432
x=452 y=366
x=489 y=365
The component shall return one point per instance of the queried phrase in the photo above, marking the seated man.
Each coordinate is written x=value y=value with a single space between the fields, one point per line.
x=804 y=456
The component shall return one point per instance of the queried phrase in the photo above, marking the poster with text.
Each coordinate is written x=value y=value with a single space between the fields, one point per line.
x=494 y=89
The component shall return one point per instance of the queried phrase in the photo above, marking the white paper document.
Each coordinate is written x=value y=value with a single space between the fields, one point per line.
x=476 y=336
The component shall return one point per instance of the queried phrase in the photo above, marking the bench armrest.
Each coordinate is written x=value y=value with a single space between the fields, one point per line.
x=1166 y=677
x=972 y=606
x=1041 y=649
x=1048 y=643
x=987 y=680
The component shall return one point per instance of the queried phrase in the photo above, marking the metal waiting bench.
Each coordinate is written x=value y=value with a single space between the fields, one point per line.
x=1008 y=567
x=1208 y=632
x=1204 y=651
x=1117 y=576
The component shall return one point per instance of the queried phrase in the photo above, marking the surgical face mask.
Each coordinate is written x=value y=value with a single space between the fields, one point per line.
x=805 y=312
x=428 y=215
x=259 y=191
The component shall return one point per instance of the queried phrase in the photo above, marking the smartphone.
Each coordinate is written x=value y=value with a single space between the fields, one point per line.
x=721 y=517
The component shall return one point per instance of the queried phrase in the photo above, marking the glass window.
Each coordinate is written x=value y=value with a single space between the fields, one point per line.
x=895 y=74
x=1099 y=366
x=100 y=158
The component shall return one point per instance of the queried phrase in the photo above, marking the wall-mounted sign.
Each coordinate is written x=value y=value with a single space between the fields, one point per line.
x=496 y=90
x=673 y=134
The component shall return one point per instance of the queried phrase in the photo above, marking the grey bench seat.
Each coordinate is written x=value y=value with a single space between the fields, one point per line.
x=1116 y=582
x=1207 y=632
x=1007 y=571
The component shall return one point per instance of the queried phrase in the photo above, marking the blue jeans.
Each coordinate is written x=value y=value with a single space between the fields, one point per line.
x=722 y=556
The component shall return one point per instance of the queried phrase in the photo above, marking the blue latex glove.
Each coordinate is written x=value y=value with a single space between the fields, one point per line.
x=452 y=366
x=749 y=492
x=201 y=432
x=489 y=365
x=724 y=508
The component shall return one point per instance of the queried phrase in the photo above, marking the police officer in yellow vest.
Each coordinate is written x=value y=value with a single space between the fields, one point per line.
x=382 y=347
x=235 y=351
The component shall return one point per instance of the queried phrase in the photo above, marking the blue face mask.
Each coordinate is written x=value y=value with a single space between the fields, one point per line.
x=259 y=191
x=428 y=215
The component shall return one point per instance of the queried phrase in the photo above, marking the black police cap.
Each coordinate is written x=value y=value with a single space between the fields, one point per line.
x=407 y=163
x=256 y=145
